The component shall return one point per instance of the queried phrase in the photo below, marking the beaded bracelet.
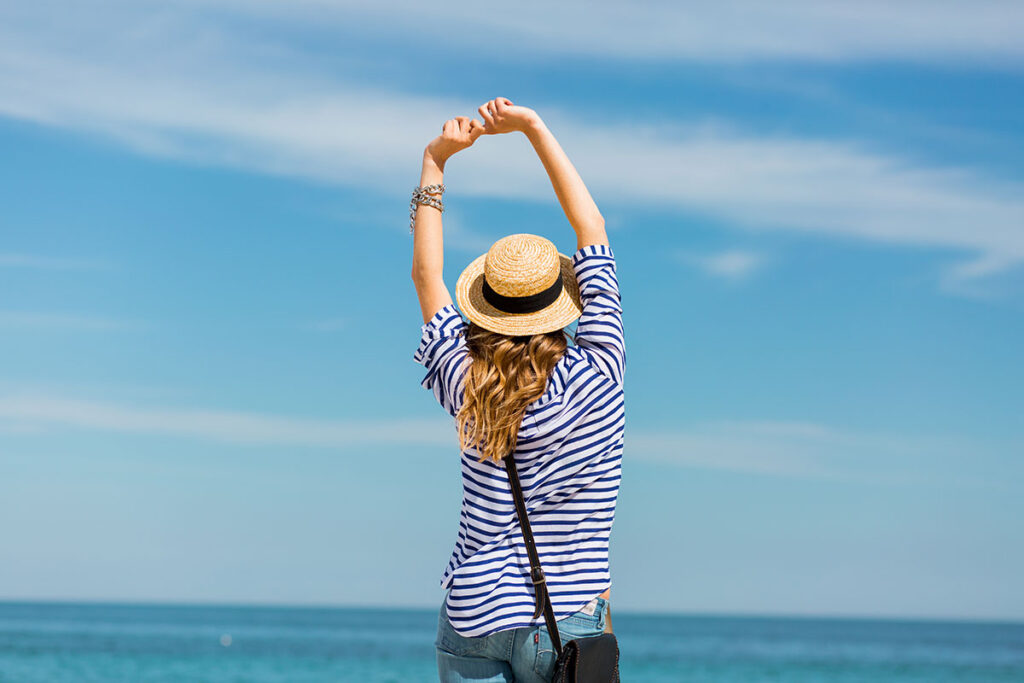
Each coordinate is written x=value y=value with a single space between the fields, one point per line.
x=421 y=195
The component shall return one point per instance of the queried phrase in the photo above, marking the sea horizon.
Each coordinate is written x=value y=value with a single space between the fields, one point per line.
x=795 y=616
x=65 y=642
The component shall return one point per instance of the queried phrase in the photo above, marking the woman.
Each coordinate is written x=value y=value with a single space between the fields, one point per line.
x=514 y=384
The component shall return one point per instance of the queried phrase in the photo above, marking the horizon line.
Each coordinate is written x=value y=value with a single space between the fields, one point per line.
x=697 y=614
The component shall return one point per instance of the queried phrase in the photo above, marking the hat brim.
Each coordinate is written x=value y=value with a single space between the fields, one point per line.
x=559 y=314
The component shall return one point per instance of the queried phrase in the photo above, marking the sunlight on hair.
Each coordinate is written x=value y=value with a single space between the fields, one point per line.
x=506 y=374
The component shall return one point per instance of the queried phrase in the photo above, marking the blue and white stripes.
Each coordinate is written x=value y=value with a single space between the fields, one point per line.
x=569 y=459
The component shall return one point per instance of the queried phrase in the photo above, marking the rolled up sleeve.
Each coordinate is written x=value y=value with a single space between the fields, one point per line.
x=442 y=350
x=599 y=332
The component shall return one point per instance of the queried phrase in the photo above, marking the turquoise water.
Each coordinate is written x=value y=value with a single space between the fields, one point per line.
x=72 y=642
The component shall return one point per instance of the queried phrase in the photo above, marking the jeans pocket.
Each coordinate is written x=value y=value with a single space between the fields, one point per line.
x=453 y=643
x=578 y=625
x=582 y=624
x=544 y=660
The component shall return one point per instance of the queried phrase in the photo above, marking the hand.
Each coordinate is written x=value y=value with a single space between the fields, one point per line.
x=501 y=116
x=456 y=134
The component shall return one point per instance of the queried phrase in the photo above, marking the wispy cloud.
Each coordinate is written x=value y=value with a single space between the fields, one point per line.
x=14 y=428
x=328 y=325
x=16 y=260
x=762 y=447
x=462 y=238
x=813 y=450
x=75 y=321
x=213 y=97
x=731 y=264
x=225 y=426
x=728 y=30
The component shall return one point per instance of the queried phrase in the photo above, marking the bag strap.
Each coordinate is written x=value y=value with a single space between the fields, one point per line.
x=540 y=589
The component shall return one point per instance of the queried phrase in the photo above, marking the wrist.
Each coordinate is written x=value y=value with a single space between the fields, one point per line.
x=432 y=160
x=534 y=126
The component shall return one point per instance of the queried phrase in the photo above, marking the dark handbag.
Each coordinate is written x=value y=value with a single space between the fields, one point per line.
x=583 y=660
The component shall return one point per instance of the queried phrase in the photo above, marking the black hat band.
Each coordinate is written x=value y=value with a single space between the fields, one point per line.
x=523 y=304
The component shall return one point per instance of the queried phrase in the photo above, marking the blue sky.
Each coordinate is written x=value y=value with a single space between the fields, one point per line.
x=207 y=322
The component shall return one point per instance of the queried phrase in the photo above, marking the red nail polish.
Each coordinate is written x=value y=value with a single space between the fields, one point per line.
x=536 y=638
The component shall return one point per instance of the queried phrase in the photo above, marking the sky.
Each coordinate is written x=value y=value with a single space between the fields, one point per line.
x=207 y=391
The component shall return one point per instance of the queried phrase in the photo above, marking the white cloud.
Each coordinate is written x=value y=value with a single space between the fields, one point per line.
x=459 y=237
x=19 y=428
x=33 y=319
x=812 y=450
x=763 y=447
x=17 y=260
x=728 y=30
x=329 y=325
x=225 y=426
x=731 y=264
x=212 y=97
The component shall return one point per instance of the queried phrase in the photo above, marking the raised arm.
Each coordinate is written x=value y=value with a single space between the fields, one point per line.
x=501 y=116
x=428 y=241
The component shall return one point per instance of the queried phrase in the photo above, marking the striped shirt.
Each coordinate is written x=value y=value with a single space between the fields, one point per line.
x=568 y=455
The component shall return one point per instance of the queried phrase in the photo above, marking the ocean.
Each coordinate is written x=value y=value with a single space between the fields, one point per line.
x=98 y=642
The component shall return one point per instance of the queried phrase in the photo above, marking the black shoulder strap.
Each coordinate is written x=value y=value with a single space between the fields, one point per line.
x=540 y=590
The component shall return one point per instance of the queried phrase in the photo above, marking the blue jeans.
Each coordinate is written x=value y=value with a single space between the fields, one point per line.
x=523 y=655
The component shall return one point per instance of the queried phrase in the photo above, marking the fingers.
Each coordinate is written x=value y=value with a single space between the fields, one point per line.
x=476 y=129
x=462 y=129
x=486 y=115
x=490 y=111
x=493 y=110
x=456 y=128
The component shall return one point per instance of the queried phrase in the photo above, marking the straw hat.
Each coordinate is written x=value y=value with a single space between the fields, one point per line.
x=521 y=286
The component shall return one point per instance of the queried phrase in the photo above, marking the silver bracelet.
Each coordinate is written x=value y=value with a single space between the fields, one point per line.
x=436 y=188
x=422 y=195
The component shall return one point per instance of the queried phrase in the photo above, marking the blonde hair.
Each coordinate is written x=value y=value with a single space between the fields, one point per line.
x=506 y=374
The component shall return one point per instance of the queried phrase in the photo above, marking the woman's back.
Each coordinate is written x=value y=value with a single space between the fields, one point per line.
x=515 y=388
x=568 y=454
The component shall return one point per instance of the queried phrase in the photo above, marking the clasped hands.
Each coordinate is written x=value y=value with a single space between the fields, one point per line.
x=499 y=116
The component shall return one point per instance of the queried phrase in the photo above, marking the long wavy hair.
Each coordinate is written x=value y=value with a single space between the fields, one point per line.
x=506 y=374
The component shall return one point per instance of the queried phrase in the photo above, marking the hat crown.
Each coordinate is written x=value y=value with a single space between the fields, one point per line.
x=521 y=265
